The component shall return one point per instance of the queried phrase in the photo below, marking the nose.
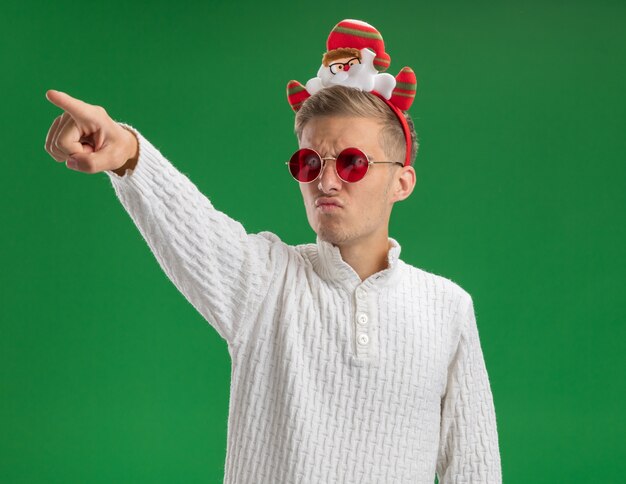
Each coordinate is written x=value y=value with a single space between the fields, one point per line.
x=346 y=67
x=328 y=179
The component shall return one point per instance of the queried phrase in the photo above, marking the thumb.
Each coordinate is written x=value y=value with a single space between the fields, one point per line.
x=75 y=107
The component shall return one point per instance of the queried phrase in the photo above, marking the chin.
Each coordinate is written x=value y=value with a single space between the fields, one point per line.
x=329 y=228
x=333 y=236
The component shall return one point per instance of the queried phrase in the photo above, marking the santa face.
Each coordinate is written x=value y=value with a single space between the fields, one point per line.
x=343 y=65
x=349 y=72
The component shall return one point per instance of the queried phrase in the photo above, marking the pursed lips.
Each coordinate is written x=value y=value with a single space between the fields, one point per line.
x=327 y=202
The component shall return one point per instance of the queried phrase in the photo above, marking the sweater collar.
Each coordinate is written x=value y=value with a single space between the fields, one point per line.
x=330 y=265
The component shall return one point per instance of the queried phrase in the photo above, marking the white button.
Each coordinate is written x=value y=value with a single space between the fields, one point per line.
x=362 y=319
x=363 y=339
x=360 y=293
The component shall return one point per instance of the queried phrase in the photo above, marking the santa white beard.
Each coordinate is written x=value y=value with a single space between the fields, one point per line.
x=358 y=76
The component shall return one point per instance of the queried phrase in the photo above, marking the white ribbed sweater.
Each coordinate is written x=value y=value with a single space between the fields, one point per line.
x=334 y=379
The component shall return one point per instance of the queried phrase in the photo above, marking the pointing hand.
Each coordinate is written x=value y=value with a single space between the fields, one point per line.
x=86 y=133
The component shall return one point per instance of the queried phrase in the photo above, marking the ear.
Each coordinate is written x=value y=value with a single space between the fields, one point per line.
x=403 y=183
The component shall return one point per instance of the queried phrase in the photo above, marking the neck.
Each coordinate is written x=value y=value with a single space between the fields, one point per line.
x=367 y=256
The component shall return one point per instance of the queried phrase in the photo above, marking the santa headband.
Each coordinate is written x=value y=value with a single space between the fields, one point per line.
x=355 y=57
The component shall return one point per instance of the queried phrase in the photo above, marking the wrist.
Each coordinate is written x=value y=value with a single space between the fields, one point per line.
x=133 y=153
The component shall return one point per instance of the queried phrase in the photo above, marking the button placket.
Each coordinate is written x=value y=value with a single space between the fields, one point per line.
x=361 y=328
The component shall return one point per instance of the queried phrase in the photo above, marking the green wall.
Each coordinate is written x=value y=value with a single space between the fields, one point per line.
x=107 y=374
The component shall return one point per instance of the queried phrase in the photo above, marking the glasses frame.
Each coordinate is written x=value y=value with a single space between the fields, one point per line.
x=324 y=158
x=332 y=66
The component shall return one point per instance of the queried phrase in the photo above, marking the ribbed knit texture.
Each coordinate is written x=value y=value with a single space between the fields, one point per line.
x=334 y=379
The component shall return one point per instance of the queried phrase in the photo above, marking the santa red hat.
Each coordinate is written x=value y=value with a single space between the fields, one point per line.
x=358 y=34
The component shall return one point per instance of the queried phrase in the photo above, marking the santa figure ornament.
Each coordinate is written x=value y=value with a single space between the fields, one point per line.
x=356 y=58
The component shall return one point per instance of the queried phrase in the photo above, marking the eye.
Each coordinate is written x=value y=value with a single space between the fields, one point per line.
x=311 y=161
x=353 y=159
x=354 y=61
x=357 y=161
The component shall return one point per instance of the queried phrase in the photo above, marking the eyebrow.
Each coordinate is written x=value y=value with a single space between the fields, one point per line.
x=369 y=155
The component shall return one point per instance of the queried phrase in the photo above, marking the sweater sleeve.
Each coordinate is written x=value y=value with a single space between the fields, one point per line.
x=468 y=445
x=219 y=268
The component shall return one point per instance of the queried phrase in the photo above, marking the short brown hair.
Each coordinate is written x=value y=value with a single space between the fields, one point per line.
x=348 y=101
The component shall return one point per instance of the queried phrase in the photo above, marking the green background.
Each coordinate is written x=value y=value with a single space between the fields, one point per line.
x=107 y=373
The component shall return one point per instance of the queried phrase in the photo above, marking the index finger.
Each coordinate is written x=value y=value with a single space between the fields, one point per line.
x=75 y=107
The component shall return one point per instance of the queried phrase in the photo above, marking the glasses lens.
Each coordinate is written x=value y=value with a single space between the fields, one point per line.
x=337 y=67
x=352 y=164
x=305 y=165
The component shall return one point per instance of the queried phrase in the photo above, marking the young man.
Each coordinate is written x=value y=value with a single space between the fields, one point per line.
x=348 y=365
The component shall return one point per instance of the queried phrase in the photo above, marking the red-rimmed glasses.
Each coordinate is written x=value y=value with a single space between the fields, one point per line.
x=351 y=165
